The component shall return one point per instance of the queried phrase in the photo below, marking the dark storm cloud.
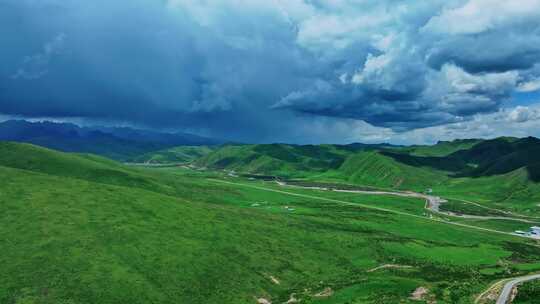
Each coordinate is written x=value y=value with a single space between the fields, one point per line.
x=262 y=70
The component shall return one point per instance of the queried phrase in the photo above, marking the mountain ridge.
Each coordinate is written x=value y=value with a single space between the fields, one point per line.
x=116 y=143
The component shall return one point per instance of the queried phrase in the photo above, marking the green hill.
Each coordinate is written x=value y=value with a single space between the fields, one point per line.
x=275 y=159
x=442 y=148
x=383 y=165
x=362 y=165
x=182 y=154
x=502 y=172
x=515 y=190
x=377 y=169
x=86 y=167
x=501 y=155
x=83 y=229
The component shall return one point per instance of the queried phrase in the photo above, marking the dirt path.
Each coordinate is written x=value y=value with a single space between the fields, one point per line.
x=513 y=214
x=385 y=266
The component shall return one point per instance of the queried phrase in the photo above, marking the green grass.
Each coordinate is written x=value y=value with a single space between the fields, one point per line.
x=183 y=154
x=500 y=225
x=375 y=169
x=511 y=192
x=275 y=159
x=81 y=229
x=503 y=173
x=442 y=148
x=461 y=207
x=528 y=293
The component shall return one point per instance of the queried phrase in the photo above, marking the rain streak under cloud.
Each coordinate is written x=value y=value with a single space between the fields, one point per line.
x=282 y=70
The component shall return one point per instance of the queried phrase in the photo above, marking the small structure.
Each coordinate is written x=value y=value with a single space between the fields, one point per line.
x=534 y=232
x=429 y=191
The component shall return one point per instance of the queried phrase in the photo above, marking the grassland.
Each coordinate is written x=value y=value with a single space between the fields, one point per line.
x=502 y=173
x=513 y=191
x=83 y=229
x=182 y=154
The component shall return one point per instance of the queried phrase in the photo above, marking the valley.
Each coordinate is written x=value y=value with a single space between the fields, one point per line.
x=211 y=231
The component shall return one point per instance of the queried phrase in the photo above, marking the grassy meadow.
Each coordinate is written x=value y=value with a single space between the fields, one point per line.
x=84 y=229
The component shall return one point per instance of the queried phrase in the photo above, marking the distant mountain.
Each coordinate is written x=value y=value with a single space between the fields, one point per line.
x=116 y=143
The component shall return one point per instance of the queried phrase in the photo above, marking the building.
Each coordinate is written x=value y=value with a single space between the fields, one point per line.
x=534 y=232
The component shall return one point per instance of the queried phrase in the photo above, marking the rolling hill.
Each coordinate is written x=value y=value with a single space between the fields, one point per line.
x=276 y=159
x=458 y=167
x=79 y=228
x=68 y=165
x=181 y=154
x=442 y=148
x=374 y=168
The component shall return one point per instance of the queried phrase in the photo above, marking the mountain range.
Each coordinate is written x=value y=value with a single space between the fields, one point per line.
x=116 y=143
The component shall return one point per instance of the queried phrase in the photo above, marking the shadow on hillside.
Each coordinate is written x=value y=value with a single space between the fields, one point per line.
x=457 y=167
x=534 y=172
x=447 y=164
x=490 y=158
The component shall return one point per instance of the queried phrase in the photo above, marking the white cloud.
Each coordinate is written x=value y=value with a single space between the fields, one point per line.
x=212 y=13
x=518 y=121
x=323 y=31
x=476 y=16
x=494 y=83
x=529 y=86
x=522 y=114
x=373 y=68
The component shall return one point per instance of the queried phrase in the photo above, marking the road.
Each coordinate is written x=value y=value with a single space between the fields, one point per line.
x=433 y=203
x=504 y=297
x=368 y=207
x=508 y=287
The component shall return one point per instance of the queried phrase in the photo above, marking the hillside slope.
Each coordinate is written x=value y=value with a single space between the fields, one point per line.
x=182 y=154
x=275 y=159
x=442 y=148
x=86 y=167
x=360 y=165
x=377 y=169
x=75 y=229
x=502 y=171
x=83 y=229
x=502 y=155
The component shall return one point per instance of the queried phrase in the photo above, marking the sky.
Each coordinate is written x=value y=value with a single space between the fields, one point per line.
x=298 y=71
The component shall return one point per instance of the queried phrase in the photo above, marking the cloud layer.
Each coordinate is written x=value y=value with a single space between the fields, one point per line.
x=276 y=70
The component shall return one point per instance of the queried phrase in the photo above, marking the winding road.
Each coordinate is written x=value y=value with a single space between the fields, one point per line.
x=504 y=297
x=433 y=203
x=369 y=207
